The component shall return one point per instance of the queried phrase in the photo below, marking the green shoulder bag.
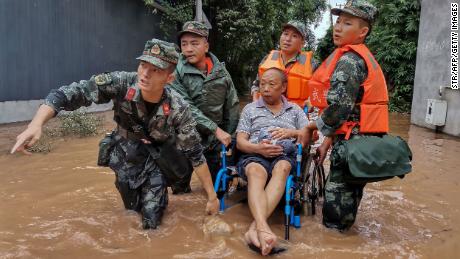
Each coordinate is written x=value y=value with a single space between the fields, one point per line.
x=377 y=158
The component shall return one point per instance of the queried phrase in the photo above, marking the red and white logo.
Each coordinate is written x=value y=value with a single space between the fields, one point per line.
x=130 y=94
x=166 y=109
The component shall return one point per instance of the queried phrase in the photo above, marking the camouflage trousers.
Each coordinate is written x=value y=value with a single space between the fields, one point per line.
x=342 y=199
x=150 y=199
x=140 y=183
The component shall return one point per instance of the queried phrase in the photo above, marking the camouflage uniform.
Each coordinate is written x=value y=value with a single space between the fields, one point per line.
x=212 y=97
x=342 y=199
x=138 y=177
x=300 y=27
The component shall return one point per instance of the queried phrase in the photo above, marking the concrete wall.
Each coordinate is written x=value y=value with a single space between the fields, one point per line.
x=433 y=66
x=49 y=43
x=12 y=111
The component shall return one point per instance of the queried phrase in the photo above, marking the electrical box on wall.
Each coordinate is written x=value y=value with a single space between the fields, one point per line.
x=436 y=112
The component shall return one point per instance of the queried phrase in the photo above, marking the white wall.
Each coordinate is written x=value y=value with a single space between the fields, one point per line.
x=13 y=111
x=433 y=66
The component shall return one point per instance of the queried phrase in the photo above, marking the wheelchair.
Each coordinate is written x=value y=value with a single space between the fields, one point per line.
x=304 y=186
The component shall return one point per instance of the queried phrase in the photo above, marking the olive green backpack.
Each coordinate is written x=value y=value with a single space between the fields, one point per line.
x=376 y=158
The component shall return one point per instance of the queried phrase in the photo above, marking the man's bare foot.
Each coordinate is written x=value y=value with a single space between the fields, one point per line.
x=251 y=236
x=267 y=240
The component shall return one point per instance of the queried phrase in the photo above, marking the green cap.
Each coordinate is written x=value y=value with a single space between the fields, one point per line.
x=160 y=53
x=358 y=8
x=298 y=26
x=195 y=27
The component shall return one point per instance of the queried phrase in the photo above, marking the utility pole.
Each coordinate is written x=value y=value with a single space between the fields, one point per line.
x=199 y=10
x=200 y=16
x=330 y=13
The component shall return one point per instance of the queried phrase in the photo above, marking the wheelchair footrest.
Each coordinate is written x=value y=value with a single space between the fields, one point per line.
x=296 y=222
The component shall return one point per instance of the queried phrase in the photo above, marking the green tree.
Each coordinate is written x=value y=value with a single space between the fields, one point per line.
x=325 y=46
x=244 y=31
x=394 y=43
x=174 y=13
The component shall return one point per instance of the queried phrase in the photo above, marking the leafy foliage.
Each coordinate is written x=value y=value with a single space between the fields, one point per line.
x=79 y=123
x=325 y=46
x=244 y=31
x=76 y=123
x=393 y=41
x=43 y=145
x=175 y=14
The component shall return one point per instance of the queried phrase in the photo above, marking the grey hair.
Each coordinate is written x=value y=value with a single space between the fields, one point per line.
x=280 y=73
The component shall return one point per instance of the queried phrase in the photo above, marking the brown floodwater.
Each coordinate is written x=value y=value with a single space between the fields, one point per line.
x=61 y=204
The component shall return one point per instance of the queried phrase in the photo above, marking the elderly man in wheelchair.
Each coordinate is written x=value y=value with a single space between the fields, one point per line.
x=266 y=135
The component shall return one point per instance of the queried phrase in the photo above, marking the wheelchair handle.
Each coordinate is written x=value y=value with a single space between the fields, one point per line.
x=305 y=109
x=298 y=159
x=224 y=155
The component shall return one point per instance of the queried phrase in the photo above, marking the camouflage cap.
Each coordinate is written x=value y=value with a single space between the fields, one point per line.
x=194 y=27
x=298 y=26
x=358 y=8
x=160 y=53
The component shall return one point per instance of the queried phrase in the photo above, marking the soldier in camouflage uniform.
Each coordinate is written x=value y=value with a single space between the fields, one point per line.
x=342 y=199
x=206 y=85
x=147 y=116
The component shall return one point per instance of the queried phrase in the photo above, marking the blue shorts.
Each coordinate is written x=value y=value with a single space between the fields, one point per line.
x=267 y=163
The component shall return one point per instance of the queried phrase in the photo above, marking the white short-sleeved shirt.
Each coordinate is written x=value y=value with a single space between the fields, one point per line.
x=256 y=116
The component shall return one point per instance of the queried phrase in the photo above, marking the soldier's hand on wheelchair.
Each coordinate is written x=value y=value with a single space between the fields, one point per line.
x=315 y=136
x=321 y=151
x=307 y=136
x=212 y=206
x=304 y=137
x=267 y=149
x=223 y=136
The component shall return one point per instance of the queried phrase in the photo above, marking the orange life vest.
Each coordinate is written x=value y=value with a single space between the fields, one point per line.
x=374 y=104
x=298 y=74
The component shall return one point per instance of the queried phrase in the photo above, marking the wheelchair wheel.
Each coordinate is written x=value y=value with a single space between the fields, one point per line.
x=321 y=181
x=312 y=186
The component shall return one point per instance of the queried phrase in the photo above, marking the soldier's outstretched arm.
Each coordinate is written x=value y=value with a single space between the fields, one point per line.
x=202 y=171
x=34 y=130
x=188 y=141
x=99 y=89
